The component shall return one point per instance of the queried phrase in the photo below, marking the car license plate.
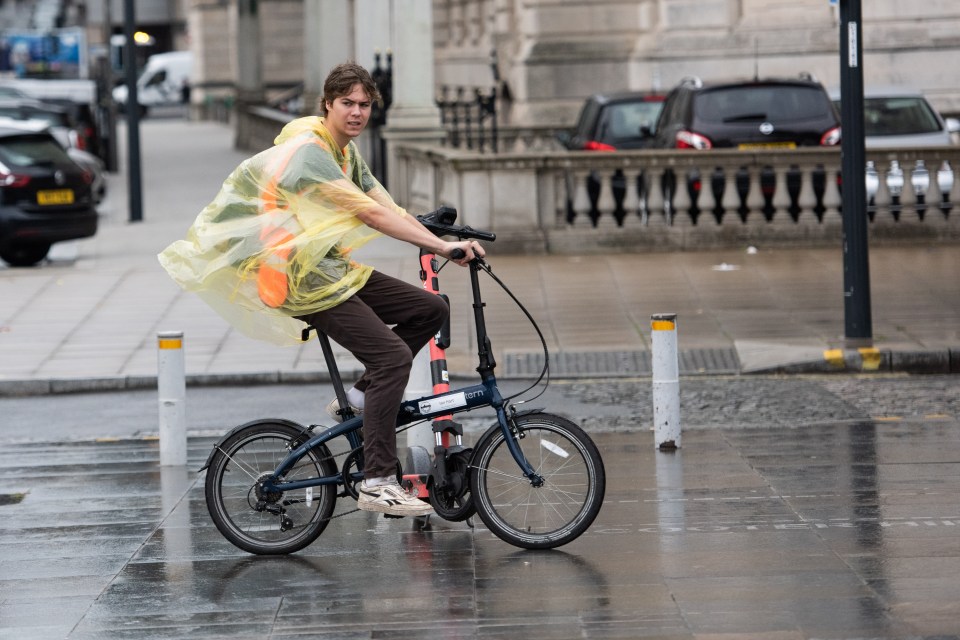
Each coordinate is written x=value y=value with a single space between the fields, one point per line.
x=753 y=146
x=55 y=196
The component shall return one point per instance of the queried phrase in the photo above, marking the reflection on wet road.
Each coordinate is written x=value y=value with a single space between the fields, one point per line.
x=840 y=530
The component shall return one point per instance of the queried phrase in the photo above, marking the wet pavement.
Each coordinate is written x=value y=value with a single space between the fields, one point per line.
x=811 y=507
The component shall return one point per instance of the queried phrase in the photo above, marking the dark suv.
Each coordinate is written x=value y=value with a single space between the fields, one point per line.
x=611 y=121
x=44 y=196
x=777 y=113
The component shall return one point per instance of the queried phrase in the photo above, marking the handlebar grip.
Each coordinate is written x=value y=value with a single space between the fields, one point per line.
x=457 y=254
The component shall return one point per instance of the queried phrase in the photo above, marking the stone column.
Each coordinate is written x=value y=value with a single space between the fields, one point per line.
x=328 y=41
x=249 y=73
x=414 y=117
x=249 y=69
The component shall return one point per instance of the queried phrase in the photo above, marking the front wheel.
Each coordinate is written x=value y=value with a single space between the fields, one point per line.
x=268 y=523
x=562 y=507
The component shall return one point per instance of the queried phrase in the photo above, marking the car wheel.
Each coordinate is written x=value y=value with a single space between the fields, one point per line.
x=25 y=255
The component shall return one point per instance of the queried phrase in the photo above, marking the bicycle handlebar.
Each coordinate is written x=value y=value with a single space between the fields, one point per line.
x=440 y=223
x=457 y=254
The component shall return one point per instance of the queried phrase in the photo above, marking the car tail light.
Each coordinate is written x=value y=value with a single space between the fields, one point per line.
x=10 y=179
x=593 y=145
x=830 y=138
x=690 y=140
x=87 y=176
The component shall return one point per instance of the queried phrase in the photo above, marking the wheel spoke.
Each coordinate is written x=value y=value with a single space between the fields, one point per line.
x=268 y=522
x=550 y=514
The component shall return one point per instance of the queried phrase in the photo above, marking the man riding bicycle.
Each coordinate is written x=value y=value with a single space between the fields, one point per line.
x=273 y=249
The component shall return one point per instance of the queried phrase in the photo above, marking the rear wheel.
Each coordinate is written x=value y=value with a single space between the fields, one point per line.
x=275 y=522
x=527 y=513
x=25 y=255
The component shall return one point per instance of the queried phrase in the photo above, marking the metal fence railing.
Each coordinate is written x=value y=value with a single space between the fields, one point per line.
x=469 y=117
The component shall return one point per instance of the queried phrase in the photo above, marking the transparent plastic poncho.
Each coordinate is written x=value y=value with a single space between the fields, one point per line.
x=276 y=242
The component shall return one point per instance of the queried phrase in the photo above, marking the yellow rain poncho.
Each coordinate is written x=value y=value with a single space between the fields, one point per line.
x=275 y=243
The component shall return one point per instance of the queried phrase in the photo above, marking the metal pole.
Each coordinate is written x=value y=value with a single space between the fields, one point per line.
x=108 y=110
x=133 y=114
x=856 y=270
x=666 y=381
x=171 y=393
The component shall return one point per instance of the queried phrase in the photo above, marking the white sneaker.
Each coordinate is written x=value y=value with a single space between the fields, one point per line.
x=390 y=498
x=334 y=406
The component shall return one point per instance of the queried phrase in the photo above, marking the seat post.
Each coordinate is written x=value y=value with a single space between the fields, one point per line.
x=332 y=368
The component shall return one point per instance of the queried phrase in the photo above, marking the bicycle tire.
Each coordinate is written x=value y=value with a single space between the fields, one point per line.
x=455 y=506
x=230 y=490
x=542 y=517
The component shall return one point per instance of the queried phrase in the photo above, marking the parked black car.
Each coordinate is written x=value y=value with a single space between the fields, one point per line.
x=44 y=196
x=83 y=121
x=611 y=121
x=775 y=113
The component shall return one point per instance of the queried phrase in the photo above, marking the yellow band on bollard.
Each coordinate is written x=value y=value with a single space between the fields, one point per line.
x=870 y=358
x=171 y=343
x=663 y=325
x=834 y=357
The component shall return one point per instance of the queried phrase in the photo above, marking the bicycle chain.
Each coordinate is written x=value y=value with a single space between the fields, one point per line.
x=332 y=456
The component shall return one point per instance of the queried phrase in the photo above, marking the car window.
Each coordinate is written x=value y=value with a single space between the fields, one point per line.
x=158 y=78
x=49 y=117
x=898 y=116
x=11 y=92
x=625 y=119
x=669 y=112
x=30 y=151
x=587 y=114
x=777 y=103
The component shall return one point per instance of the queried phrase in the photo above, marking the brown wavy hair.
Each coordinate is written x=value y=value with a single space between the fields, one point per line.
x=340 y=82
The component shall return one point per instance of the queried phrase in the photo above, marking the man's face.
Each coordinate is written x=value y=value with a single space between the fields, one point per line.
x=347 y=115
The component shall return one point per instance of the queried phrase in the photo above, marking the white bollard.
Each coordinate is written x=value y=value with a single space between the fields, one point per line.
x=171 y=392
x=666 y=381
x=420 y=385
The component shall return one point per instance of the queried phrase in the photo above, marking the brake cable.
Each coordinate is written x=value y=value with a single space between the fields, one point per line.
x=545 y=371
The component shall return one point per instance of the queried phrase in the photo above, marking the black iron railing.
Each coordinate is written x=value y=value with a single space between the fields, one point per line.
x=469 y=117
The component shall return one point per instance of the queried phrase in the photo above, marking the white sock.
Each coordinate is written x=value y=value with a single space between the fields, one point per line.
x=375 y=482
x=355 y=398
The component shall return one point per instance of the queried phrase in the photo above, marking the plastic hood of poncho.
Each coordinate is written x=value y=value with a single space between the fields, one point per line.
x=304 y=191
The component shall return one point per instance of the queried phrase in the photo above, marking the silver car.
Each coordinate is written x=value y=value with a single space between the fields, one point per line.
x=899 y=118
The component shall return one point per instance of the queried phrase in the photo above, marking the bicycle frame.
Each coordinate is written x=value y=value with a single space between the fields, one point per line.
x=444 y=404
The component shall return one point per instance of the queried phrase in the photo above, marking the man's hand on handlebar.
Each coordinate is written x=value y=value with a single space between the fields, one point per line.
x=463 y=251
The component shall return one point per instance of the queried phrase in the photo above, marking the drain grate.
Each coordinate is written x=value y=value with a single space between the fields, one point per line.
x=586 y=364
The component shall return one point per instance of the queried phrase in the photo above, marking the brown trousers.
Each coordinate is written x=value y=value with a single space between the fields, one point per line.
x=359 y=325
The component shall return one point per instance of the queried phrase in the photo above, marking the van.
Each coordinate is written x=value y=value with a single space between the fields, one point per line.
x=161 y=82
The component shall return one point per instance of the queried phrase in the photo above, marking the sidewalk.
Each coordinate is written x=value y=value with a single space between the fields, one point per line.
x=88 y=319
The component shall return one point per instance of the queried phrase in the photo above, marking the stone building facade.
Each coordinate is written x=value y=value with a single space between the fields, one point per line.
x=550 y=54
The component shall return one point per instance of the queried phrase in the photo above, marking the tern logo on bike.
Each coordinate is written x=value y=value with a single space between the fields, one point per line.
x=451 y=401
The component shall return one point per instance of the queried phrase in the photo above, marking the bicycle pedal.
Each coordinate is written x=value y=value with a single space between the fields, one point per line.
x=392 y=517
